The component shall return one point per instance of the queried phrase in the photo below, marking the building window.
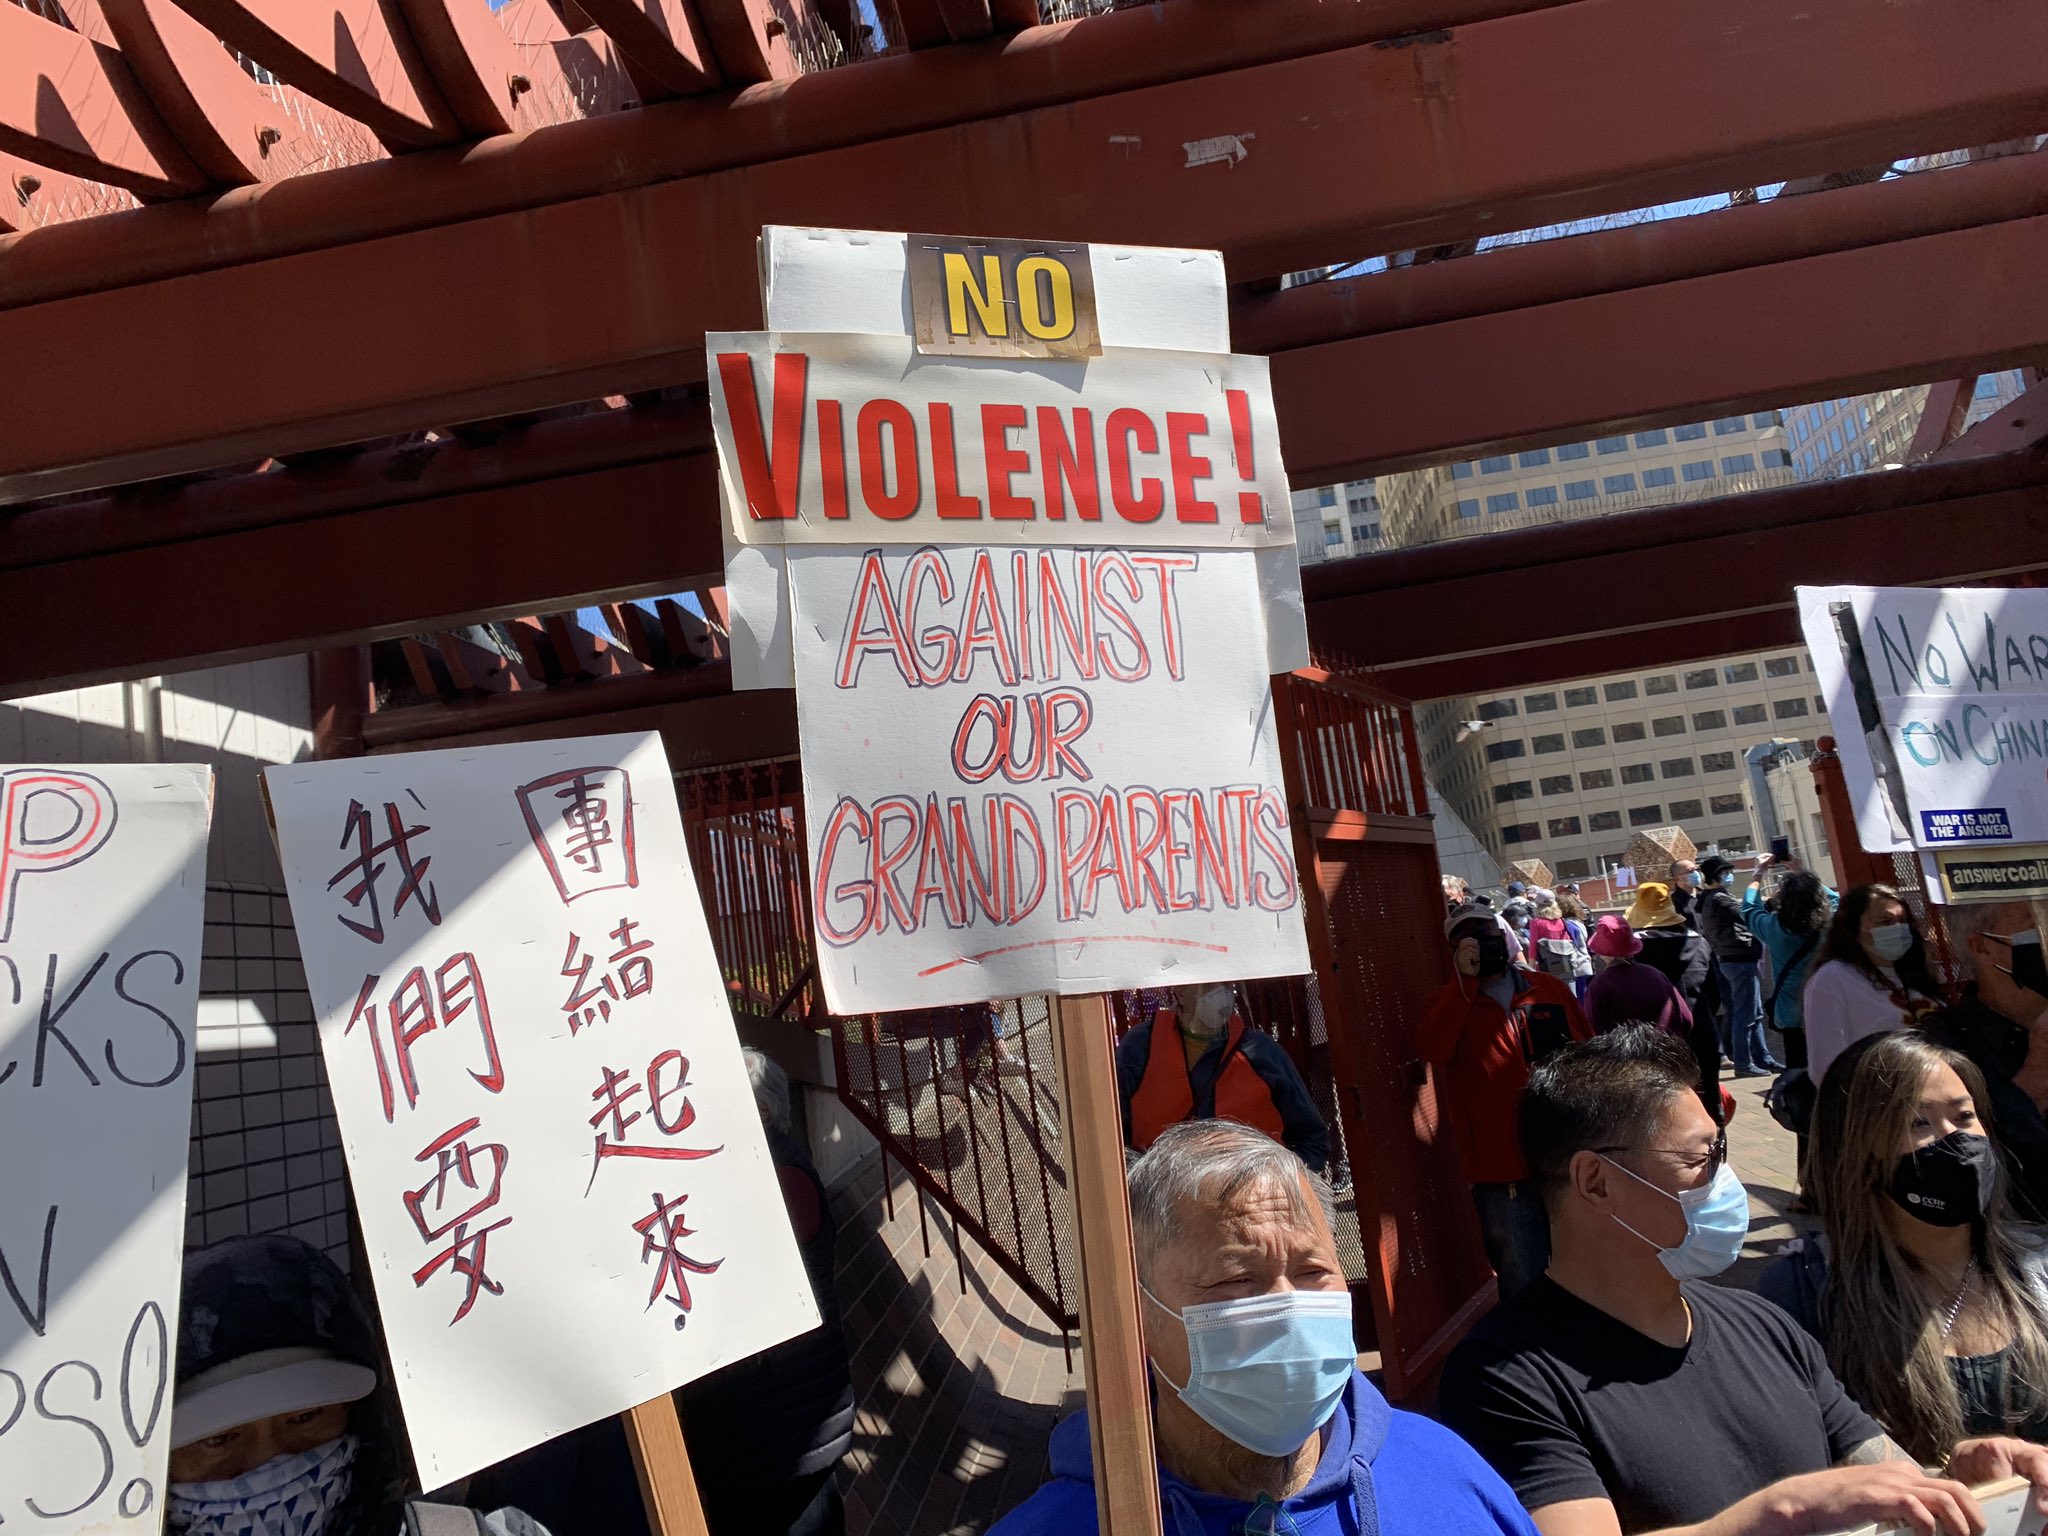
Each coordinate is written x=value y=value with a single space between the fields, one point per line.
x=1332 y=537
x=1533 y=458
x=1699 y=469
x=1563 y=826
x=1521 y=832
x=1499 y=463
x=1820 y=705
x=1573 y=869
x=1618 y=485
x=1727 y=425
x=1764 y=419
x=1710 y=720
x=1551 y=743
x=1638 y=773
x=1592 y=736
x=1789 y=709
x=1573 y=451
x=1543 y=496
x=1668 y=725
x=1461 y=471
x=1645 y=815
x=1504 y=501
x=1685 y=810
x=1828 y=409
x=1738 y=464
x=1558 y=784
x=1703 y=678
x=1521 y=789
x=1781 y=666
x=1578 y=698
x=1597 y=778
x=1616 y=692
x=1579 y=490
x=1749 y=714
x=1604 y=821
x=1653 y=478
x=1501 y=751
x=1655 y=438
x=1726 y=805
x=1540 y=703
x=1495 y=709
x=1676 y=768
x=1777 y=458
x=1717 y=762
x=1629 y=730
x=1663 y=682
x=1691 y=432
x=1740 y=672
x=1612 y=445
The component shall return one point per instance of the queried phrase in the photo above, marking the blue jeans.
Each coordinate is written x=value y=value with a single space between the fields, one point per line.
x=1744 y=993
x=1515 y=1230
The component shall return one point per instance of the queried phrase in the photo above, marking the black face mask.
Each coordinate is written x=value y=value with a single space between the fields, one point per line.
x=2030 y=968
x=1948 y=1182
x=1493 y=952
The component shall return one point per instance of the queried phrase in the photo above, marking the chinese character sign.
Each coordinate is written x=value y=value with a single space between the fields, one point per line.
x=1039 y=770
x=559 y=1168
x=102 y=898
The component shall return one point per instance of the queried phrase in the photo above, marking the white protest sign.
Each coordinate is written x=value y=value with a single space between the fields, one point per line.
x=1940 y=703
x=1039 y=770
x=834 y=438
x=102 y=901
x=561 y=1175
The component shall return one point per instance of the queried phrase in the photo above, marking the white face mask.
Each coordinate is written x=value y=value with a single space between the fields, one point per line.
x=293 y=1495
x=1889 y=942
x=1716 y=1223
x=1210 y=1013
x=1267 y=1370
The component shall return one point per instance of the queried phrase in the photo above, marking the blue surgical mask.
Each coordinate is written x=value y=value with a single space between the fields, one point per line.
x=293 y=1495
x=1267 y=1370
x=1716 y=1222
x=1693 y=878
x=1889 y=942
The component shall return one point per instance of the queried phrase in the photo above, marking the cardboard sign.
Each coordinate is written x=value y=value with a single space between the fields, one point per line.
x=2008 y=1508
x=836 y=439
x=1002 y=298
x=102 y=902
x=1939 y=698
x=1039 y=771
x=562 y=1179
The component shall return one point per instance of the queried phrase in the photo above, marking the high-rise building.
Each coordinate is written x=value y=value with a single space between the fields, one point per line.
x=1333 y=522
x=1847 y=437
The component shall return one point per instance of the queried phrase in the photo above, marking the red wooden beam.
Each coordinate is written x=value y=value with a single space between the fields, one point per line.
x=1671 y=584
x=1496 y=124
x=2018 y=425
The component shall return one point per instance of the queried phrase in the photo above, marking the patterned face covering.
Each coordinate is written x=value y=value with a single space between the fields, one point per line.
x=292 y=1495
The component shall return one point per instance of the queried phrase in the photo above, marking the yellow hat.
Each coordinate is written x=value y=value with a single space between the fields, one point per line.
x=1653 y=908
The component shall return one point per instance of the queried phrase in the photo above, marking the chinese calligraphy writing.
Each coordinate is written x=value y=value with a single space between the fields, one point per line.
x=581 y=820
x=661 y=1236
x=413 y=1013
x=454 y=1158
x=589 y=1002
x=617 y=1114
x=369 y=867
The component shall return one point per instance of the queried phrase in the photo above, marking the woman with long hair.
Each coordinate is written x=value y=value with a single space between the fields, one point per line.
x=1872 y=975
x=1931 y=1302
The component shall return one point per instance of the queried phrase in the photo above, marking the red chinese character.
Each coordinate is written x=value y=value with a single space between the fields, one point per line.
x=368 y=868
x=636 y=974
x=614 y=1095
x=455 y=1159
x=661 y=1235
x=415 y=1012
x=590 y=1001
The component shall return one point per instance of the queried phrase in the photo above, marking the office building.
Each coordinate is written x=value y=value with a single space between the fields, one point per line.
x=1334 y=522
x=1847 y=437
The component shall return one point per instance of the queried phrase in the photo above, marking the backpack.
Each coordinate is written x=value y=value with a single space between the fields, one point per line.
x=1561 y=955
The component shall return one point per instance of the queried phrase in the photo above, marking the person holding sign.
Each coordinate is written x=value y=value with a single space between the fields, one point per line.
x=1621 y=1394
x=1483 y=1031
x=1198 y=1060
x=1931 y=1302
x=1265 y=1423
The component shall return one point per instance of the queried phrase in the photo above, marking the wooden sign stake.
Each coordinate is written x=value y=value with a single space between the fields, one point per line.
x=1112 y=1345
x=667 y=1486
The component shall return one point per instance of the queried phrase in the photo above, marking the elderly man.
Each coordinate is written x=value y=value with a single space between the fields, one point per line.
x=1264 y=1422
x=2001 y=1024
x=1619 y=1393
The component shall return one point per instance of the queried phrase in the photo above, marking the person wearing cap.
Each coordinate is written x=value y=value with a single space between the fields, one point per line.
x=277 y=1424
x=1481 y=1033
x=1517 y=910
x=1626 y=991
x=1738 y=954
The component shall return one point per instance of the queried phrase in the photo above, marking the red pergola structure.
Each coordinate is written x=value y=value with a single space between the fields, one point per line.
x=455 y=375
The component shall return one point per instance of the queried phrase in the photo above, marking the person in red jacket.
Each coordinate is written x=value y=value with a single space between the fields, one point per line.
x=1483 y=1031
x=1196 y=1059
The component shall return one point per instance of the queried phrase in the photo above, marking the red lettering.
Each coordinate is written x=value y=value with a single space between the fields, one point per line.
x=847 y=813
x=1164 y=568
x=985 y=707
x=1057 y=620
x=832 y=457
x=983 y=629
x=886 y=860
x=872 y=587
x=1173 y=807
x=1059 y=738
x=1187 y=467
x=1136 y=501
x=1109 y=563
x=1005 y=462
x=946 y=468
x=1021 y=834
x=1269 y=826
x=1143 y=843
x=1069 y=465
x=1251 y=506
x=1210 y=840
x=929 y=564
x=770 y=485
x=1074 y=854
x=876 y=477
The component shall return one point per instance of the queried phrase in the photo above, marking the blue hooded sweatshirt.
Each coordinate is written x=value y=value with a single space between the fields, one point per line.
x=1381 y=1471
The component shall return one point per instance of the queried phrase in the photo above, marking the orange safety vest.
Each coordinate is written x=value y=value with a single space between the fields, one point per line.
x=1166 y=1093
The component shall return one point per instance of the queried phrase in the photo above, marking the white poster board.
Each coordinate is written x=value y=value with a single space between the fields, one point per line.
x=561 y=1175
x=102 y=902
x=1940 y=703
x=1039 y=771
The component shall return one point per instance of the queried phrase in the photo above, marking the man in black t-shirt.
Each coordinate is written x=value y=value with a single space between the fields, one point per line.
x=1618 y=1394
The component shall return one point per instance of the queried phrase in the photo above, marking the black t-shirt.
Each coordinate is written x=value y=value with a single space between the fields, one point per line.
x=1568 y=1403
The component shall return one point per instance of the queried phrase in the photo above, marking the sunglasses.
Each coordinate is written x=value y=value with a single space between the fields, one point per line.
x=1717 y=1155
